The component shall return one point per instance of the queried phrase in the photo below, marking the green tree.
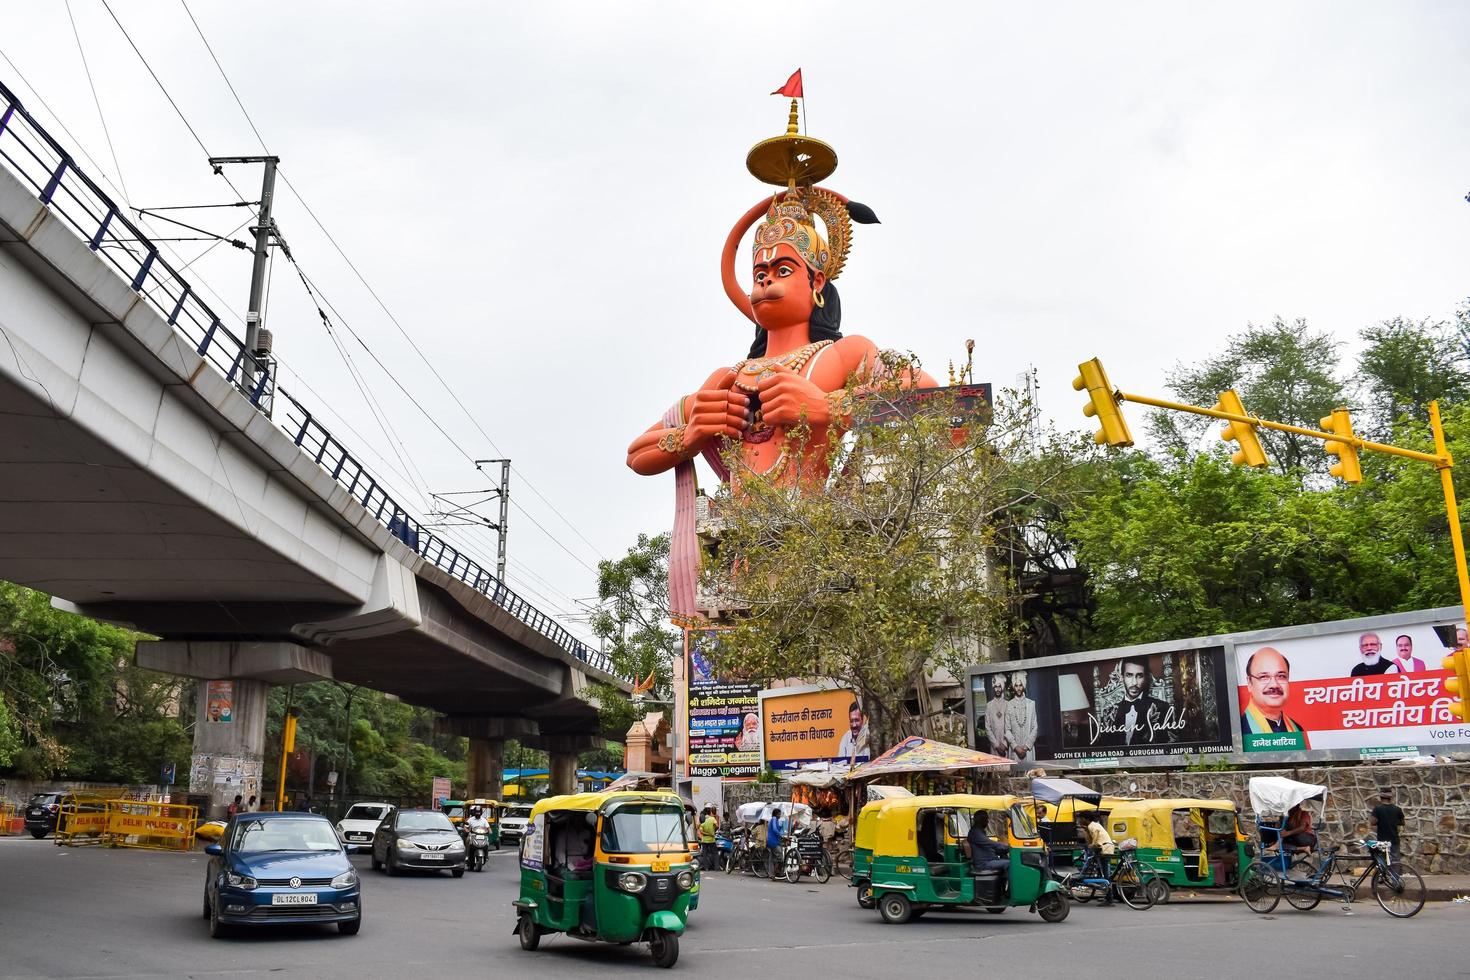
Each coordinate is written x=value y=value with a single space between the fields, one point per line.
x=632 y=621
x=1191 y=545
x=10 y=742
x=1285 y=372
x=1406 y=365
x=878 y=574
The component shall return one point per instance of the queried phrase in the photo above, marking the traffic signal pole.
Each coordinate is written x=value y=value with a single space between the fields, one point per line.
x=1249 y=419
x=1105 y=404
x=1445 y=464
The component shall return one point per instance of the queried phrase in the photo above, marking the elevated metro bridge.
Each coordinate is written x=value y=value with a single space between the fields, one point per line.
x=142 y=482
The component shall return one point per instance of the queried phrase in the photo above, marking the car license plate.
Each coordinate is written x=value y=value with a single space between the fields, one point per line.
x=431 y=856
x=293 y=899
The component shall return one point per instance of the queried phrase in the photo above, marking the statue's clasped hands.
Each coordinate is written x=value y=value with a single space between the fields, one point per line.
x=718 y=412
x=788 y=398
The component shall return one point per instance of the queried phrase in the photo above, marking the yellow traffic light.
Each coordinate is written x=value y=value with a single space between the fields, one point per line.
x=288 y=738
x=1347 y=468
x=1457 y=686
x=1103 y=405
x=1250 y=452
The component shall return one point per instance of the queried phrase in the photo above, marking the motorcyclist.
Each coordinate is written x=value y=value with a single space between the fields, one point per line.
x=475 y=823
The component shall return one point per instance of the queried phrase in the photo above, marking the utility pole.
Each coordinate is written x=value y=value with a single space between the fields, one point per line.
x=256 y=349
x=503 y=525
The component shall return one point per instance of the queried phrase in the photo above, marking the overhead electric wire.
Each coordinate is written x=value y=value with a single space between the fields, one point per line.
x=164 y=89
x=101 y=173
x=98 y=103
x=364 y=389
x=285 y=178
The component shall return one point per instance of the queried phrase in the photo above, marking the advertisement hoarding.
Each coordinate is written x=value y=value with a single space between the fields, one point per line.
x=724 y=720
x=1374 y=690
x=1148 y=704
x=806 y=725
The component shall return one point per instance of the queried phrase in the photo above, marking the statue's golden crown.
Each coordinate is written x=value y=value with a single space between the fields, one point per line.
x=791 y=219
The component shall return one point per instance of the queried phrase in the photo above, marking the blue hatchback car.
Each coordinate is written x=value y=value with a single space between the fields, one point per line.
x=280 y=867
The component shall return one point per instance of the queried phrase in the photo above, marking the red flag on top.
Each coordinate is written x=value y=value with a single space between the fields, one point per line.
x=792 y=88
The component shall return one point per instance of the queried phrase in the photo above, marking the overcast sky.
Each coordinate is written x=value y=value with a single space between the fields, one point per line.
x=539 y=192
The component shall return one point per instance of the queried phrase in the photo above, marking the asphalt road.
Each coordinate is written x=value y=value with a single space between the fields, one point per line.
x=89 y=912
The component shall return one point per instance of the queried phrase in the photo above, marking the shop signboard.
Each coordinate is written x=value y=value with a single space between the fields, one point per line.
x=807 y=725
x=723 y=720
x=1366 y=689
x=1112 y=707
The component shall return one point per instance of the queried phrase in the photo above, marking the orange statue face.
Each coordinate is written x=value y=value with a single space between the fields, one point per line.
x=782 y=287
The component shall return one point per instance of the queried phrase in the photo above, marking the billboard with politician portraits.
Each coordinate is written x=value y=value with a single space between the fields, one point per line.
x=1363 y=688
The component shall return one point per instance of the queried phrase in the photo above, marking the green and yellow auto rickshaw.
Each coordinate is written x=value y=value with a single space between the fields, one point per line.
x=1189 y=843
x=611 y=867
x=918 y=862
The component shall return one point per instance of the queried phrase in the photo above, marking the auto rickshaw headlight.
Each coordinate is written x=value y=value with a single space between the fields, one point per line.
x=632 y=881
x=685 y=880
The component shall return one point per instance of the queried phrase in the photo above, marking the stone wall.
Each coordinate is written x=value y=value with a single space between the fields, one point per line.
x=1436 y=834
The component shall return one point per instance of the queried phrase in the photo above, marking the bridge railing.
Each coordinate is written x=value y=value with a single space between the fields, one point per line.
x=39 y=160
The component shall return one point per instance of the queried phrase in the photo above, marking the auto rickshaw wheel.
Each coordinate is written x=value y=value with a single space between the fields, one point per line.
x=1052 y=907
x=664 y=946
x=895 y=908
x=528 y=932
x=997 y=910
x=1159 y=891
x=865 y=897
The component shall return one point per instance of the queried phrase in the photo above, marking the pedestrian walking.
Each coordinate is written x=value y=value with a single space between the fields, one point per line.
x=234 y=807
x=250 y=805
x=1388 y=819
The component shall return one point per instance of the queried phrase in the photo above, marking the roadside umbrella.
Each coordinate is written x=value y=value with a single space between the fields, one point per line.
x=925 y=755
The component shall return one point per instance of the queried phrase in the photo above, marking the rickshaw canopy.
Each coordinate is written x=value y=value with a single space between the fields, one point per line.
x=595 y=802
x=894 y=820
x=1054 y=790
x=1277 y=794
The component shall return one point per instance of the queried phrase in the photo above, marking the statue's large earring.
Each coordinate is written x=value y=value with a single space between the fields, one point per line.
x=817 y=299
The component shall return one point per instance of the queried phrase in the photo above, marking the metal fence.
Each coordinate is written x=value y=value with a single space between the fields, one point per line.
x=39 y=160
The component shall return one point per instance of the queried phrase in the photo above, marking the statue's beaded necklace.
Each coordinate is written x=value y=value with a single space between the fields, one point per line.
x=750 y=373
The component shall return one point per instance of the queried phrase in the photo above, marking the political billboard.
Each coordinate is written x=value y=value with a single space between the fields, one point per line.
x=807 y=725
x=1375 y=690
x=1137 y=705
x=723 y=714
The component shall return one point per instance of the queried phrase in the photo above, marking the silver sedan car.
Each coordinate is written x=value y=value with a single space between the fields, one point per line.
x=422 y=840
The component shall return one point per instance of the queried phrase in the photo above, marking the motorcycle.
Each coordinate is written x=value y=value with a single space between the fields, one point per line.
x=478 y=844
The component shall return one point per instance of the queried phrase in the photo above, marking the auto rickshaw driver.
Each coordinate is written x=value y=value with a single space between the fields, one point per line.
x=986 y=854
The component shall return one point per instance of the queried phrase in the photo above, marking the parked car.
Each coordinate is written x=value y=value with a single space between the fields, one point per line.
x=41 y=814
x=270 y=868
x=513 y=821
x=360 y=822
x=422 y=839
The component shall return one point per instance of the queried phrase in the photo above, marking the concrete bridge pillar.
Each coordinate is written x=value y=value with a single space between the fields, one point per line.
x=563 y=773
x=235 y=678
x=486 y=768
x=229 y=742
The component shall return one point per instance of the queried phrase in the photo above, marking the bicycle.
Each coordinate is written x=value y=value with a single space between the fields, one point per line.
x=746 y=858
x=1398 y=890
x=1132 y=881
